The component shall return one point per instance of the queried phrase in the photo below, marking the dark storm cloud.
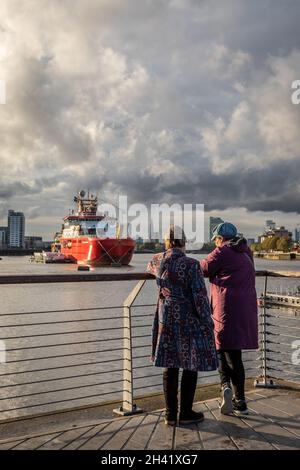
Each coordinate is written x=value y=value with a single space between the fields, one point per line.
x=253 y=189
x=167 y=101
x=260 y=28
x=8 y=191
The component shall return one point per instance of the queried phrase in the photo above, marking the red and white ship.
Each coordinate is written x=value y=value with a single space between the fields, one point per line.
x=91 y=239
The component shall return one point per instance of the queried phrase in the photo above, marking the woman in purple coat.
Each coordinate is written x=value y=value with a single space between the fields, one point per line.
x=231 y=272
x=183 y=335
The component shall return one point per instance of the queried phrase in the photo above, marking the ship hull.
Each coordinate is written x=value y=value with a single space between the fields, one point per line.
x=95 y=251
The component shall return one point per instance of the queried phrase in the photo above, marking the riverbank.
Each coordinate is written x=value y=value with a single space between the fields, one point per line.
x=280 y=256
x=13 y=252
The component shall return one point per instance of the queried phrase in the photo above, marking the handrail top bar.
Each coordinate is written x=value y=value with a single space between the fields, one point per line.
x=292 y=274
x=72 y=277
x=105 y=277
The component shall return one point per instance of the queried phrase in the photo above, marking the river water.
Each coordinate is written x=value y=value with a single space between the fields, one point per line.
x=68 y=353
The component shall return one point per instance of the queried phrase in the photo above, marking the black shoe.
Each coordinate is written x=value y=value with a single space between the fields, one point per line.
x=170 y=420
x=240 y=407
x=226 y=407
x=191 y=416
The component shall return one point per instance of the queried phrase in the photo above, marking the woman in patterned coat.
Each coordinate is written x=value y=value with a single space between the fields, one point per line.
x=183 y=335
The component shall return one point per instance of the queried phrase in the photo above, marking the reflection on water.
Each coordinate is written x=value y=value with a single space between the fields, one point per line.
x=60 y=358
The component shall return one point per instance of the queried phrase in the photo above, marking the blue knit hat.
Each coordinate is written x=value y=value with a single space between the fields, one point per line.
x=225 y=230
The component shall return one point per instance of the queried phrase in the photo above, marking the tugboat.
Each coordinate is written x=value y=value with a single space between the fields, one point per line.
x=90 y=239
x=285 y=299
x=49 y=257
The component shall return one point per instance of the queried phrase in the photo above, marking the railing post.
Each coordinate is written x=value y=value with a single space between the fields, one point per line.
x=262 y=381
x=128 y=407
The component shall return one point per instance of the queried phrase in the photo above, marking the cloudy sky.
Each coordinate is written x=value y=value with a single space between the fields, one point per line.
x=163 y=100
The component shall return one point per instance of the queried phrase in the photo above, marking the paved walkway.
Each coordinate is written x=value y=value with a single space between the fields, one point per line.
x=273 y=423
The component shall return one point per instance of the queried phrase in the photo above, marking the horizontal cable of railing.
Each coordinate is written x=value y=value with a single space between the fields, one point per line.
x=280 y=361
x=276 y=342
x=65 y=344
x=281 y=352
x=65 y=310
x=283 y=326
x=64 y=389
x=282 y=317
x=119 y=381
x=287 y=372
x=271 y=333
x=68 y=366
x=54 y=322
x=95 y=351
x=67 y=400
x=62 y=333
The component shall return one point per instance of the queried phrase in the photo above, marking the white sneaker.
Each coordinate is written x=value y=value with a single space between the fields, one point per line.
x=240 y=408
x=226 y=407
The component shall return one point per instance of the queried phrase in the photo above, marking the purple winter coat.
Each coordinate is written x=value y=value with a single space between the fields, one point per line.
x=231 y=272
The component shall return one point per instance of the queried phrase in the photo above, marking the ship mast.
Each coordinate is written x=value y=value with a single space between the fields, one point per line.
x=86 y=206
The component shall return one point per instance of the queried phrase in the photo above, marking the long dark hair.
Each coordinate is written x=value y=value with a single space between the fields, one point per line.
x=175 y=237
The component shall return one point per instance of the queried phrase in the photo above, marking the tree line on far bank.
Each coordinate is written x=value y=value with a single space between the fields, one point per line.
x=157 y=247
x=284 y=244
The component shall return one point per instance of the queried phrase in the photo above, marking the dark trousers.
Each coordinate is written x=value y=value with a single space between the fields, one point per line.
x=187 y=391
x=231 y=369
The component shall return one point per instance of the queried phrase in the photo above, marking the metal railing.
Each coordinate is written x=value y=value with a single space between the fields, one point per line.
x=279 y=341
x=63 y=359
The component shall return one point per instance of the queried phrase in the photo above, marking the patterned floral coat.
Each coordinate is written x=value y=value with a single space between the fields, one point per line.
x=182 y=333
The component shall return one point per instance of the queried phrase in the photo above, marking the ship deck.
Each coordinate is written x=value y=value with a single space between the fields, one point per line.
x=273 y=424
